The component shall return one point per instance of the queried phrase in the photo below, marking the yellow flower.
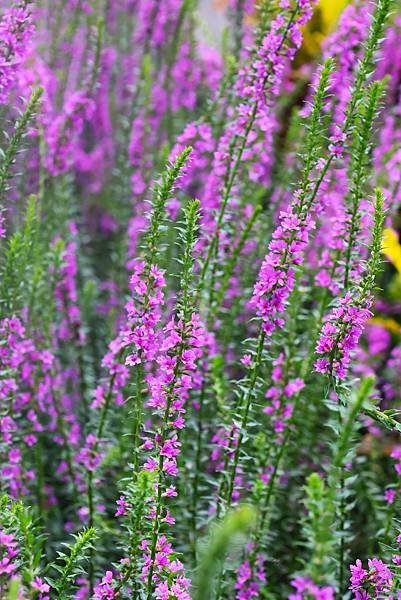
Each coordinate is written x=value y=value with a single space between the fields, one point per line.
x=389 y=324
x=323 y=22
x=391 y=247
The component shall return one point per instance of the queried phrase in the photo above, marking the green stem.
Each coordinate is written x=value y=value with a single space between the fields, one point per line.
x=91 y=569
x=198 y=464
x=137 y=417
x=161 y=441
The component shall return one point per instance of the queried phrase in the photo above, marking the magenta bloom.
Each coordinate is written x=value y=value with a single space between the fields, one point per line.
x=340 y=336
x=370 y=583
x=305 y=589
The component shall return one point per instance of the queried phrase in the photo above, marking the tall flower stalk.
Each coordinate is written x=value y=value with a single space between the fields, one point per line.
x=339 y=338
x=180 y=350
x=138 y=334
x=276 y=278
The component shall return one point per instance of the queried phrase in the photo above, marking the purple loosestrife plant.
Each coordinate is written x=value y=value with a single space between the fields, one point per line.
x=180 y=350
x=292 y=244
x=138 y=333
x=344 y=324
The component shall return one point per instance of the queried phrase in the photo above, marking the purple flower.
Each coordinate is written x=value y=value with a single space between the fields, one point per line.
x=121 y=507
x=39 y=585
x=6 y=566
x=358 y=574
x=104 y=589
x=389 y=495
x=64 y=130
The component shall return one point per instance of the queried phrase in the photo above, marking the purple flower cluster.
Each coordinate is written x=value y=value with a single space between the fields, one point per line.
x=277 y=274
x=249 y=579
x=305 y=588
x=180 y=350
x=66 y=293
x=16 y=32
x=145 y=314
x=64 y=130
x=279 y=397
x=340 y=335
x=9 y=552
x=169 y=576
x=138 y=335
x=371 y=582
x=138 y=339
x=21 y=363
x=104 y=589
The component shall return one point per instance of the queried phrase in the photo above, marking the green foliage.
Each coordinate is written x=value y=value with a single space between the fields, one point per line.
x=17 y=519
x=318 y=530
x=345 y=435
x=229 y=268
x=188 y=236
x=359 y=165
x=14 y=589
x=329 y=504
x=19 y=270
x=386 y=418
x=365 y=67
x=374 y=263
x=29 y=268
x=223 y=537
x=315 y=134
x=162 y=192
x=99 y=43
x=8 y=155
x=69 y=565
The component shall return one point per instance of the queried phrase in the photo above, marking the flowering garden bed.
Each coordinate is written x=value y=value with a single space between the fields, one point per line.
x=200 y=296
